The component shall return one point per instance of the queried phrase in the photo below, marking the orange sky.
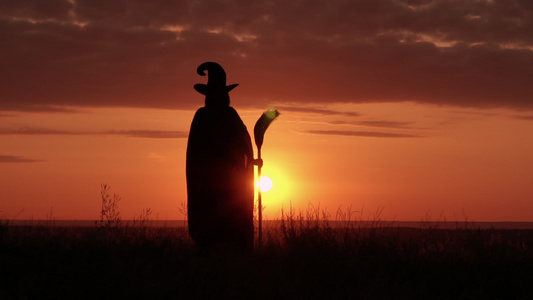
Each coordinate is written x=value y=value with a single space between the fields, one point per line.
x=420 y=113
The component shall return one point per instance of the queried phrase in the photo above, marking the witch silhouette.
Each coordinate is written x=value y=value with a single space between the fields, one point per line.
x=219 y=170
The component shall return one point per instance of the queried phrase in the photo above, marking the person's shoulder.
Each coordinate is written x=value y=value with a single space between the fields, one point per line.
x=200 y=111
x=232 y=110
x=227 y=110
x=217 y=112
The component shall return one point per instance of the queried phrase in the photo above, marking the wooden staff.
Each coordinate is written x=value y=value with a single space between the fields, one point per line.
x=259 y=132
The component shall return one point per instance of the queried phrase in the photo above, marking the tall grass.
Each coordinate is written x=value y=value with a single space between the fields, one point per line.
x=304 y=256
x=109 y=213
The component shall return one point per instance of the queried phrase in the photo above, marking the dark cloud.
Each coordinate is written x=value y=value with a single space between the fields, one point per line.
x=33 y=131
x=527 y=118
x=156 y=134
x=382 y=123
x=312 y=110
x=16 y=159
x=25 y=107
x=145 y=53
x=362 y=133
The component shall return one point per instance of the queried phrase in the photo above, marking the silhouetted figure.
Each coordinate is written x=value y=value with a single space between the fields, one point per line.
x=219 y=170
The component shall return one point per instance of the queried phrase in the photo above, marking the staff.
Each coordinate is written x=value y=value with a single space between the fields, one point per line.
x=259 y=132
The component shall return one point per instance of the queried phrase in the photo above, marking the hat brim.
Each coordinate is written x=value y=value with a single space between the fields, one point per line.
x=204 y=89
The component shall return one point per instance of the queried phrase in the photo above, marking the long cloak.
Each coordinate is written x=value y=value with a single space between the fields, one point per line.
x=220 y=176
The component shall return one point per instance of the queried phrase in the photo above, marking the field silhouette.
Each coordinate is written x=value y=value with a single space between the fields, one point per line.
x=302 y=257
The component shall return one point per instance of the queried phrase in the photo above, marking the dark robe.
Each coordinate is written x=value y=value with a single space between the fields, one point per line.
x=220 y=180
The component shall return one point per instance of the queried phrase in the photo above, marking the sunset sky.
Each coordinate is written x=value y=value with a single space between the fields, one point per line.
x=398 y=109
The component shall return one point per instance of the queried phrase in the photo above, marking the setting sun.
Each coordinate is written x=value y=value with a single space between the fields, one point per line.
x=265 y=184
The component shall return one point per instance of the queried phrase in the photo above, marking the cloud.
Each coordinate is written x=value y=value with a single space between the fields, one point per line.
x=312 y=110
x=527 y=118
x=33 y=131
x=16 y=159
x=144 y=54
x=381 y=123
x=26 y=107
x=362 y=133
x=156 y=134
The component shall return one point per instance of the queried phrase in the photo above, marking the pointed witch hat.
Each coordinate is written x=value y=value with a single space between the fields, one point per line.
x=216 y=80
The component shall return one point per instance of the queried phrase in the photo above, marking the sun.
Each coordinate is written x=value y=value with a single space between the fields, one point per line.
x=265 y=184
x=281 y=187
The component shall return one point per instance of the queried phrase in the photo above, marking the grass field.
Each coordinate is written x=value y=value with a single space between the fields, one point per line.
x=301 y=258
